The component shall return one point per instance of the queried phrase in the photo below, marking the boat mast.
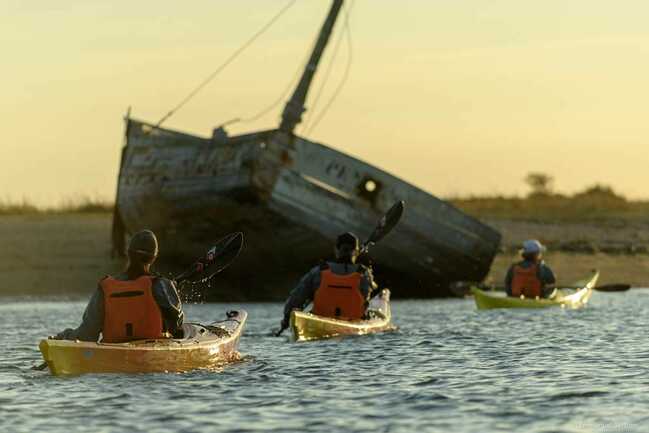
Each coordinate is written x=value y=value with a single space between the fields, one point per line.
x=294 y=108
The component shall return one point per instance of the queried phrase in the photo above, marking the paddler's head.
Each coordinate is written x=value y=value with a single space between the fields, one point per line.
x=532 y=250
x=142 y=250
x=347 y=248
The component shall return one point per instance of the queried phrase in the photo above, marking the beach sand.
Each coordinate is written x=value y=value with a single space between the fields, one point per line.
x=52 y=254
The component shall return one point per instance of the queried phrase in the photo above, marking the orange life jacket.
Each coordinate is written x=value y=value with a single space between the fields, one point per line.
x=525 y=281
x=130 y=310
x=339 y=296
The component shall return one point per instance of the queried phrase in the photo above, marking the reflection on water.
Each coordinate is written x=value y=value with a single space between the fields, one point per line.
x=449 y=368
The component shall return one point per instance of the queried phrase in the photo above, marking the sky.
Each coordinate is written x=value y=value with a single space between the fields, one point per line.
x=459 y=97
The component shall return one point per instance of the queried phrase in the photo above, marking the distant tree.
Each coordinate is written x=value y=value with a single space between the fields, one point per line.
x=539 y=183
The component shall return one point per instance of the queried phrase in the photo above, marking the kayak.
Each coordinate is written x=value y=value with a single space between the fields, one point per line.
x=307 y=326
x=202 y=346
x=560 y=297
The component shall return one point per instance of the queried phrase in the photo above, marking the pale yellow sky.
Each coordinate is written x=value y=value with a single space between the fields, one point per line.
x=459 y=97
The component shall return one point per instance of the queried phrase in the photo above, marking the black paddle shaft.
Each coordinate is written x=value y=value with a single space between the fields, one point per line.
x=217 y=258
x=385 y=225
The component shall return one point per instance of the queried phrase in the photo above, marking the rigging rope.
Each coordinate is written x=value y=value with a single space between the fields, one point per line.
x=282 y=96
x=227 y=62
x=345 y=76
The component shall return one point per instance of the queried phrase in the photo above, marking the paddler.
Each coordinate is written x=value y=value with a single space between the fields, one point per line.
x=530 y=277
x=134 y=305
x=339 y=288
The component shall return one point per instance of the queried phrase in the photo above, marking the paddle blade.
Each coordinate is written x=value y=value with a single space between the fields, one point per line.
x=613 y=287
x=387 y=222
x=215 y=260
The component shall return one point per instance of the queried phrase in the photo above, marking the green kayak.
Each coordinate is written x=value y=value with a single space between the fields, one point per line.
x=561 y=297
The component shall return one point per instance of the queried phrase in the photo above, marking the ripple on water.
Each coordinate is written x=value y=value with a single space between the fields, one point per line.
x=448 y=368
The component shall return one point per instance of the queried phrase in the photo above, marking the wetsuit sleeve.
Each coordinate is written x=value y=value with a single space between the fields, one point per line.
x=508 y=280
x=367 y=283
x=92 y=322
x=546 y=275
x=547 y=278
x=302 y=294
x=166 y=296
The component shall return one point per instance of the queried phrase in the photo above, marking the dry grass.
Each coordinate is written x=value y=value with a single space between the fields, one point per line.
x=77 y=205
x=590 y=206
x=85 y=204
x=23 y=207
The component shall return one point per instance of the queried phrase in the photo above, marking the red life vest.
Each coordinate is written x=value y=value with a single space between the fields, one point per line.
x=339 y=296
x=526 y=282
x=130 y=310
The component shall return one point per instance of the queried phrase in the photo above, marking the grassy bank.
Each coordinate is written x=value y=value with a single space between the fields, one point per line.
x=79 y=205
x=594 y=221
x=594 y=205
x=66 y=249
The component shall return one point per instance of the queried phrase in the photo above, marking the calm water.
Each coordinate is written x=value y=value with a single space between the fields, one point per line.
x=449 y=369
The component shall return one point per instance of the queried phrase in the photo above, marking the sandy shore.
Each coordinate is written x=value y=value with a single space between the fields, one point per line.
x=614 y=236
x=54 y=254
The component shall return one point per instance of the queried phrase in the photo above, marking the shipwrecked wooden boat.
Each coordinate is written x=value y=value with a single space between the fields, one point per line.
x=291 y=197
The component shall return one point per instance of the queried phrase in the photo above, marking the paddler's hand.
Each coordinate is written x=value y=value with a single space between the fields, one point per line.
x=63 y=335
x=365 y=260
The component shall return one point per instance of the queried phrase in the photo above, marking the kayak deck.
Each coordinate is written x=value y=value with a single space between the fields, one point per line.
x=307 y=326
x=207 y=346
x=563 y=298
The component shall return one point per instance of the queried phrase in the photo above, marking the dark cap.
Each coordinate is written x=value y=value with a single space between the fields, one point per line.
x=349 y=240
x=144 y=242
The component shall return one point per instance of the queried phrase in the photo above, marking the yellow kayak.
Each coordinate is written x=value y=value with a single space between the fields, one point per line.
x=306 y=326
x=206 y=346
x=564 y=298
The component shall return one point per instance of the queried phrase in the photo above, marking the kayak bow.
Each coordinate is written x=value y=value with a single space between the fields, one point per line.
x=201 y=347
x=563 y=298
x=306 y=326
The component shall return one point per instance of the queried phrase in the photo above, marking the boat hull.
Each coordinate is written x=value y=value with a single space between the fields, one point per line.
x=306 y=326
x=562 y=298
x=200 y=349
x=290 y=197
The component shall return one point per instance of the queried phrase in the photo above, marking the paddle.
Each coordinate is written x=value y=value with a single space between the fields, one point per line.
x=613 y=287
x=383 y=227
x=217 y=258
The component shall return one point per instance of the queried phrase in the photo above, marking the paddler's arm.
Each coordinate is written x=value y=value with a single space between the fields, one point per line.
x=508 y=281
x=547 y=277
x=368 y=286
x=93 y=319
x=166 y=296
x=302 y=294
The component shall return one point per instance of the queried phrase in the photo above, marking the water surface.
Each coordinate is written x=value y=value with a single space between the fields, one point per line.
x=449 y=368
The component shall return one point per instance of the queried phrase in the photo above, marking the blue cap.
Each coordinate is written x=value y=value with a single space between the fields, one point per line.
x=532 y=246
